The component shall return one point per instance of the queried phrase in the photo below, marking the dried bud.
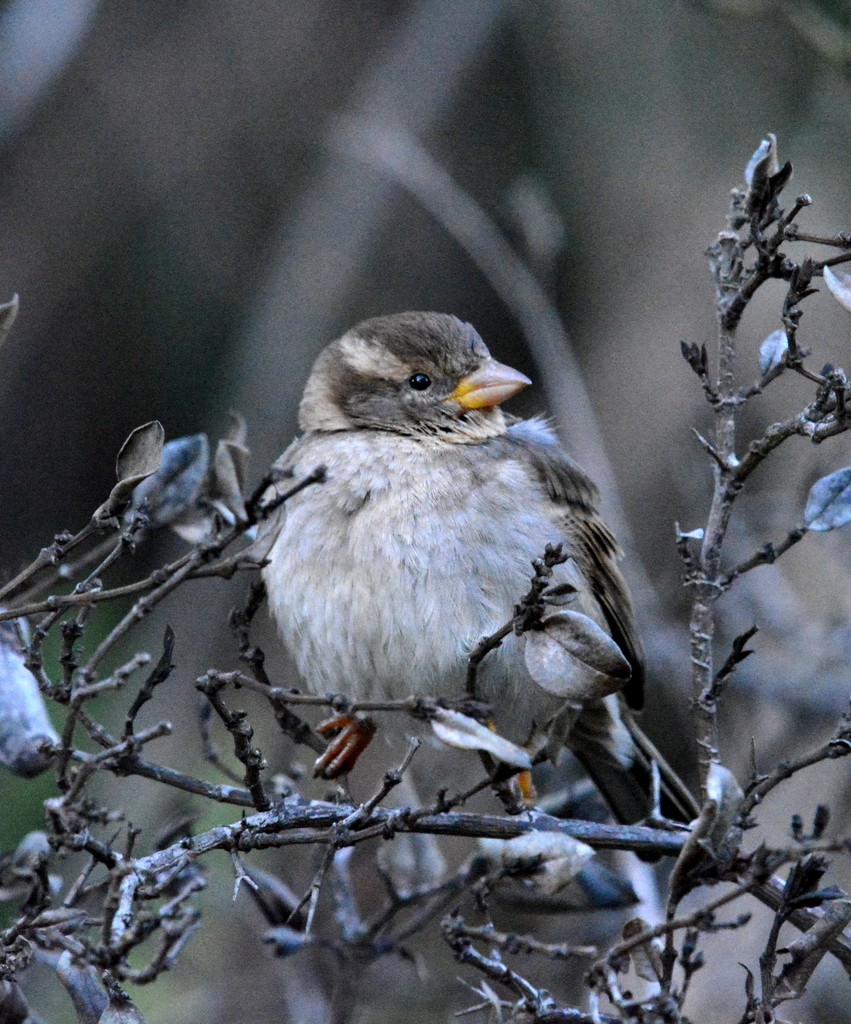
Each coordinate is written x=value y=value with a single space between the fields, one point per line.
x=764 y=162
x=772 y=352
x=725 y=791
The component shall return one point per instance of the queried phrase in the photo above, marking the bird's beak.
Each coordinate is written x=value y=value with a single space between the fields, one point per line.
x=486 y=387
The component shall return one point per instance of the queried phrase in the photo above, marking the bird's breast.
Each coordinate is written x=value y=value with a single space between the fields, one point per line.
x=383 y=578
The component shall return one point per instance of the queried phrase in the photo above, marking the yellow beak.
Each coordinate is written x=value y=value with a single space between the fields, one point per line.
x=491 y=384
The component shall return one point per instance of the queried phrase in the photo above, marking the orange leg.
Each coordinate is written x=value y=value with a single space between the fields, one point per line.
x=349 y=737
x=526 y=787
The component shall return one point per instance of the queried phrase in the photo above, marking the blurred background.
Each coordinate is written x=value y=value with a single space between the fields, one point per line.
x=196 y=198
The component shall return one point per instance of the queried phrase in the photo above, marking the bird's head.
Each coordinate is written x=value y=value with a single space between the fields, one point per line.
x=419 y=374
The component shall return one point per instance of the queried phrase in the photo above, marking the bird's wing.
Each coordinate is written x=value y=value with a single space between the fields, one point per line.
x=592 y=544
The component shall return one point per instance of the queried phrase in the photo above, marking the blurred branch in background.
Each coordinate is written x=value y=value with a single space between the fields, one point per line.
x=38 y=40
x=325 y=240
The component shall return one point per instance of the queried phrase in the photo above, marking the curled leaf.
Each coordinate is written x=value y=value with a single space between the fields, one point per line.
x=139 y=457
x=25 y=729
x=839 y=285
x=465 y=733
x=549 y=860
x=772 y=352
x=559 y=656
x=173 y=490
x=829 y=501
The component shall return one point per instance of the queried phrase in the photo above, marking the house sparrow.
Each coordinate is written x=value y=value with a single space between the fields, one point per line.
x=420 y=542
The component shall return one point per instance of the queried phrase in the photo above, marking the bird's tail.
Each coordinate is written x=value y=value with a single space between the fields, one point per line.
x=618 y=757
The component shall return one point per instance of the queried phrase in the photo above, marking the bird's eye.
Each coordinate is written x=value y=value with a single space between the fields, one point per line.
x=419 y=381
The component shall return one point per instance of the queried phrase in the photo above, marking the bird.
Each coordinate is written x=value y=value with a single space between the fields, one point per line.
x=420 y=541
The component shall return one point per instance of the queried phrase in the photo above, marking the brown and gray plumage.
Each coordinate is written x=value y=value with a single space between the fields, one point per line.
x=420 y=542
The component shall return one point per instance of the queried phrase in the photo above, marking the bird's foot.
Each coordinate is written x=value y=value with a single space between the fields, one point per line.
x=526 y=789
x=349 y=736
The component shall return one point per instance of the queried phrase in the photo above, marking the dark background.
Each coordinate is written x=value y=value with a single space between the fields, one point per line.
x=195 y=198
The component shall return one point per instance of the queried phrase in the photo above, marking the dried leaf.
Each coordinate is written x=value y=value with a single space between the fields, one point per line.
x=139 y=457
x=839 y=285
x=24 y=724
x=829 y=501
x=646 y=958
x=174 y=489
x=8 y=315
x=465 y=733
x=230 y=469
x=549 y=860
x=141 y=453
x=237 y=428
x=559 y=658
x=772 y=352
